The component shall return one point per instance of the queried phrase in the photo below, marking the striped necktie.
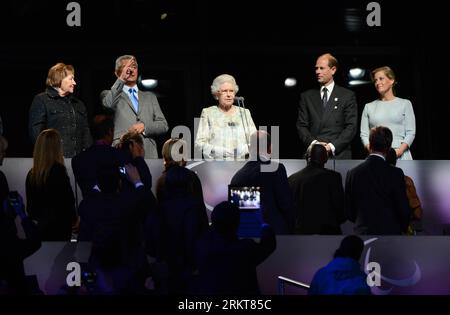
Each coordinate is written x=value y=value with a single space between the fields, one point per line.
x=134 y=99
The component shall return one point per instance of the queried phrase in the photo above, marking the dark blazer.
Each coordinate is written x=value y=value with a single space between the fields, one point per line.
x=376 y=198
x=319 y=200
x=86 y=164
x=276 y=197
x=66 y=114
x=336 y=124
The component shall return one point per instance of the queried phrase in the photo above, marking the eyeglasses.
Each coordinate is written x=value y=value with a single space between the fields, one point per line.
x=227 y=92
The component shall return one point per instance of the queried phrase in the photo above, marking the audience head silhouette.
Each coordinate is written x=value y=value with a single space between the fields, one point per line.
x=380 y=140
x=132 y=144
x=225 y=218
x=48 y=150
x=174 y=152
x=391 y=157
x=351 y=247
x=317 y=155
x=103 y=128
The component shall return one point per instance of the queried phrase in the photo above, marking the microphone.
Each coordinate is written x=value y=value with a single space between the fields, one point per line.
x=239 y=98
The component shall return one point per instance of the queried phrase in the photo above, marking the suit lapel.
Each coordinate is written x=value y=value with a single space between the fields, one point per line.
x=317 y=101
x=332 y=104
x=141 y=97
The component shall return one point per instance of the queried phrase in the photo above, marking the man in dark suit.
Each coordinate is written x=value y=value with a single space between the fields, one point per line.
x=328 y=115
x=318 y=196
x=375 y=191
x=276 y=198
x=100 y=154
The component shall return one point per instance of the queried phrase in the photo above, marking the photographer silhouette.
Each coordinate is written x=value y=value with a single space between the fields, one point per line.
x=14 y=250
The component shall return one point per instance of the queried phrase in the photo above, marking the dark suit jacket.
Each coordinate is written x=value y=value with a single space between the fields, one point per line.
x=86 y=164
x=319 y=200
x=376 y=198
x=276 y=197
x=336 y=124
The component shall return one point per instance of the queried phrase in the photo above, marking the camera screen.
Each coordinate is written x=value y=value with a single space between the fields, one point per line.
x=246 y=198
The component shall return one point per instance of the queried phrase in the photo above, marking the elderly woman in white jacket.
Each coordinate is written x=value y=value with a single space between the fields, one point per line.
x=224 y=130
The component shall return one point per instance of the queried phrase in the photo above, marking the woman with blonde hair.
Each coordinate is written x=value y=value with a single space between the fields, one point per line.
x=58 y=108
x=174 y=154
x=50 y=199
x=390 y=111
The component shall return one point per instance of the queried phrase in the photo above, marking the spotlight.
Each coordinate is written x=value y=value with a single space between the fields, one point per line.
x=356 y=73
x=149 y=83
x=290 y=82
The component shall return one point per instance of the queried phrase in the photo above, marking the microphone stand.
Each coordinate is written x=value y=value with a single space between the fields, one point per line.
x=241 y=105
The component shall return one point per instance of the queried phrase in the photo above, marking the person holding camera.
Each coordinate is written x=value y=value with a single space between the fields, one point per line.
x=13 y=250
x=132 y=150
x=112 y=220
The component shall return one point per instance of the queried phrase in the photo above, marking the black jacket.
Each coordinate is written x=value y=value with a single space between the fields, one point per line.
x=336 y=123
x=66 y=114
x=376 y=198
x=319 y=200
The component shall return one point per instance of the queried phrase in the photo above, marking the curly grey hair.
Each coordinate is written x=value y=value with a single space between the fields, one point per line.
x=221 y=79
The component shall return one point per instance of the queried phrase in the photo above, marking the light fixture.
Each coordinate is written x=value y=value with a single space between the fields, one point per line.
x=290 y=82
x=149 y=83
x=356 y=73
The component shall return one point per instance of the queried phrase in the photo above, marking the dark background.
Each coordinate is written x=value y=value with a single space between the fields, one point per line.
x=260 y=43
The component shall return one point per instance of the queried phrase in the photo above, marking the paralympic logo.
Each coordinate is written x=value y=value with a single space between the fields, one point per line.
x=374 y=275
